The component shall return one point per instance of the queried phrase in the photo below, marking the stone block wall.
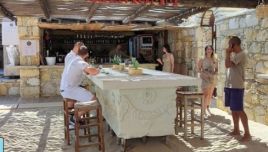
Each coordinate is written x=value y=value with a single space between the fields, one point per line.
x=28 y=30
x=50 y=80
x=188 y=46
x=29 y=81
x=254 y=35
x=9 y=87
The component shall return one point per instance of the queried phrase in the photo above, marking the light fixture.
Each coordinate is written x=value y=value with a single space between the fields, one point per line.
x=262 y=10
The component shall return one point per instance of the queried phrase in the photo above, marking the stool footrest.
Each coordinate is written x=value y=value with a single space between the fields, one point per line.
x=88 y=118
x=88 y=125
x=89 y=145
x=86 y=136
x=69 y=128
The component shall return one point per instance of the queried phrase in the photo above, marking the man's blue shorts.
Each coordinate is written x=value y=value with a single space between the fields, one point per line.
x=234 y=98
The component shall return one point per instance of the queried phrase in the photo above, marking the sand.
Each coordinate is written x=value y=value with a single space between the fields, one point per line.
x=40 y=129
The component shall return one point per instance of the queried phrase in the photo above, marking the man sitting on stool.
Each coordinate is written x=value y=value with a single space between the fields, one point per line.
x=72 y=78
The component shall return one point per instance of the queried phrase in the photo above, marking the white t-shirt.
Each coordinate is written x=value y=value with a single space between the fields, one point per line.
x=69 y=57
x=73 y=73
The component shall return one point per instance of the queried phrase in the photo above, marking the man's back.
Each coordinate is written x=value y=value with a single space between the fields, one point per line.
x=72 y=74
x=69 y=57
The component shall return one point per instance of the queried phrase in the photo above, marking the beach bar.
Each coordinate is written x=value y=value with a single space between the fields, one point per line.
x=36 y=36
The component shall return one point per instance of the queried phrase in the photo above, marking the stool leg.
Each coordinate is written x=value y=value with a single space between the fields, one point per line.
x=124 y=145
x=85 y=130
x=202 y=118
x=176 y=119
x=77 y=126
x=100 y=130
x=185 y=117
x=88 y=128
x=181 y=110
x=192 y=117
x=66 y=127
x=64 y=117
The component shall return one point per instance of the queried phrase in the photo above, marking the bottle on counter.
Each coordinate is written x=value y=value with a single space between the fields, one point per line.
x=47 y=53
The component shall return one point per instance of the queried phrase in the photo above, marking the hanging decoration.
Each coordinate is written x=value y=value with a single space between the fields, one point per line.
x=262 y=10
x=147 y=2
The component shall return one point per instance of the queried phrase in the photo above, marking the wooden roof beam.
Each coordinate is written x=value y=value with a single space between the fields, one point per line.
x=140 y=10
x=7 y=13
x=187 y=13
x=220 y=3
x=92 y=11
x=45 y=8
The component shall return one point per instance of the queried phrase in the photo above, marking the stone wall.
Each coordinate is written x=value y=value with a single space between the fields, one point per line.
x=254 y=36
x=9 y=87
x=29 y=81
x=188 y=46
x=50 y=77
x=28 y=30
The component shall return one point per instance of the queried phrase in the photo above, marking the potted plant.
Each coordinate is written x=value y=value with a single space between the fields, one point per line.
x=134 y=69
x=116 y=61
x=50 y=58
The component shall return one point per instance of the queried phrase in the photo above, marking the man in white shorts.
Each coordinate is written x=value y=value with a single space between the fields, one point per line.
x=72 y=78
x=71 y=55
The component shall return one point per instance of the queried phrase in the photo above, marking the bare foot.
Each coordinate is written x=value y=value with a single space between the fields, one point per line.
x=234 y=133
x=209 y=112
x=245 y=138
x=206 y=116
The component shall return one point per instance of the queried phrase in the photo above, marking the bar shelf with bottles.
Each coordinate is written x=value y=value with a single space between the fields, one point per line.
x=60 y=42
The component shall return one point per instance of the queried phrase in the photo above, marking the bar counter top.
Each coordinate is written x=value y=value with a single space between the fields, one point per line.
x=111 y=79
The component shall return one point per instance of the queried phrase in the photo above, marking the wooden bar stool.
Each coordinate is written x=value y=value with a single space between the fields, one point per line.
x=187 y=100
x=67 y=112
x=83 y=120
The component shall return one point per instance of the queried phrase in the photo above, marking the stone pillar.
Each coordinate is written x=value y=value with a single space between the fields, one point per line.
x=29 y=71
x=28 y=30
x=29 y=81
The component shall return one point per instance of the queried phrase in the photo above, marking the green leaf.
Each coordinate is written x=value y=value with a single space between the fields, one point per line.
x=135 y=63
x=116 y=60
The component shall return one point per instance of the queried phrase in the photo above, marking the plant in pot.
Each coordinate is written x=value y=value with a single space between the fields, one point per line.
x=116 y=62
x=134 y=69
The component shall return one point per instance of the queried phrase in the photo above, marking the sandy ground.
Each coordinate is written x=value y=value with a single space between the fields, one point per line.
x=38 y=127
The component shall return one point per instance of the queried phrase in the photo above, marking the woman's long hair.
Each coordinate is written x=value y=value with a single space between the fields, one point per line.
x=212 y=54
x=167 y=48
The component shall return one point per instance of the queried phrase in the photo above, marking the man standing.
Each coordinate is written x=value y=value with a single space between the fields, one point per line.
x=234 y=92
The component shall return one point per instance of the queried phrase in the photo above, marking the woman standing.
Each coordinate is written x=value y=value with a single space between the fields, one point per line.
x=208 y=69
x=167 y=59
